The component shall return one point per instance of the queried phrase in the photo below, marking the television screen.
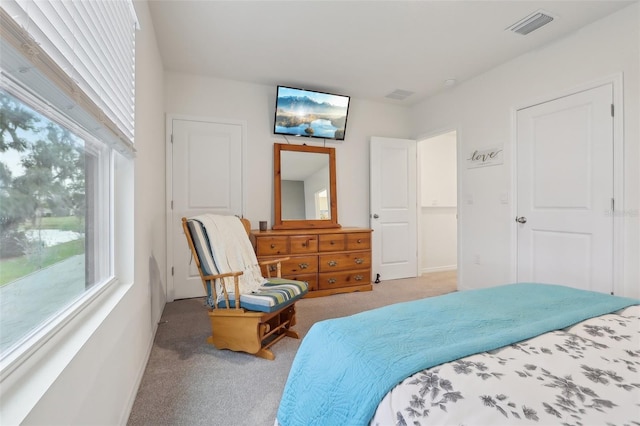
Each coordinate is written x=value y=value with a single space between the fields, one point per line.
x=309 y=113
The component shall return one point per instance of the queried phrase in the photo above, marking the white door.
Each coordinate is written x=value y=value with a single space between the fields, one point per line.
x=393 y=209
x=565 y=191
x=206 y=177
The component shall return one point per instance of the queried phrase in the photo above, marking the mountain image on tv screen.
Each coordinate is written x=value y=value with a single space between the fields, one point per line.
x=308 y=113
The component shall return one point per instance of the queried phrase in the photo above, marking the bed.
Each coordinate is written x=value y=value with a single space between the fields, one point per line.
x=522 y=353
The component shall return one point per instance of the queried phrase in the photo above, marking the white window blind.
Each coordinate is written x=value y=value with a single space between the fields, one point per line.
x=93 y=43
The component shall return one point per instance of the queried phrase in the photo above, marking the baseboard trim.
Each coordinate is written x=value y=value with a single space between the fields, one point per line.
x=439 y=269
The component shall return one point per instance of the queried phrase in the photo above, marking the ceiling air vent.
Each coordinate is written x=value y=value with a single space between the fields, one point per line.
x=399 y=94
x=531 y=22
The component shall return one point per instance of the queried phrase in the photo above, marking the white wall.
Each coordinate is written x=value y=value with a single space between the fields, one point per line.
x=292 y=199
x=313 y=185
x=438 y=171
x=99 y=384
x=201 y=96
x=481 y=110
x=438 y=200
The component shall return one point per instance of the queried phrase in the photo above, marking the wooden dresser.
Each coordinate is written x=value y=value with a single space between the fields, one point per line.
x=330 y=260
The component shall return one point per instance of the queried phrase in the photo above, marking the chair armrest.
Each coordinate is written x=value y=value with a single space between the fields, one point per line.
x=278 y=268
x=222 y=277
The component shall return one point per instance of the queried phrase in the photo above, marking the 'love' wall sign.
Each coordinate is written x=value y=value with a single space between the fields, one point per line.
x=485 y=157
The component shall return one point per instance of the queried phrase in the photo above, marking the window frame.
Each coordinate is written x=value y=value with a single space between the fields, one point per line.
x=101 y=253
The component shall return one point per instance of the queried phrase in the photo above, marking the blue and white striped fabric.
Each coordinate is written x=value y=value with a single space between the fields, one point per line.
x=277 y=292
x=222 y=246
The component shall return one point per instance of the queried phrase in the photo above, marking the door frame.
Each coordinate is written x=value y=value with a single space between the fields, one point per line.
x=616 y=80
x=170 y=117
x=420 y=139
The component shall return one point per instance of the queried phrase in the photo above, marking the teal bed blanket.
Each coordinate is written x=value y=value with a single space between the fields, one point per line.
x=345 y=366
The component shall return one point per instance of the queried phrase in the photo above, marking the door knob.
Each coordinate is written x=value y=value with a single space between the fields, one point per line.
x=375 y=215
x=521 y=219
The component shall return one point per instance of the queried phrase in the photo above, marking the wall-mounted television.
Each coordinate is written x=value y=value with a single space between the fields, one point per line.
x=301 y=112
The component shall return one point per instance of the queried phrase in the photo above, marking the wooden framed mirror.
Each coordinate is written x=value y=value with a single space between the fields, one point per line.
x=304 y=187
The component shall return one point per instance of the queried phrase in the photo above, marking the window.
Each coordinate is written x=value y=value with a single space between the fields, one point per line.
x=54 y=218
x=66 y=126
x=322 y=204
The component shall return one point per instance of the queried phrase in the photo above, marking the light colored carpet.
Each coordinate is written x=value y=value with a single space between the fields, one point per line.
x=189 y=382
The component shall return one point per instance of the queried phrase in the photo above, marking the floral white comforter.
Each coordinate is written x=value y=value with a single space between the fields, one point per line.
x=587 y=374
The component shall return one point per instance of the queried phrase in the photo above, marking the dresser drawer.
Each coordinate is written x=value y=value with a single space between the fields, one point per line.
x=344 y=261
x=332 y=242
x=310 y=279
x=300 y=265
x=332 y=280
x=359 y=241
x=268 y=246
x=294 y=265
x=301 y=244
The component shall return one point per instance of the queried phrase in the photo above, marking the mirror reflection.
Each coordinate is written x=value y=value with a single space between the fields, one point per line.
x=305 y=186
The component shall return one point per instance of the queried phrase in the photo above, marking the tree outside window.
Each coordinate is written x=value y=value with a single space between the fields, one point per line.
x=44 y=173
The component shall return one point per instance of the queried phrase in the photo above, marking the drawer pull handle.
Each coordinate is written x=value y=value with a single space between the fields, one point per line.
x=359 y=260
x=331 y=280
x=332 y=242
x=273 y=246
x=303 y=265
x=359 y=241
x=358 y=277
x=332 y=263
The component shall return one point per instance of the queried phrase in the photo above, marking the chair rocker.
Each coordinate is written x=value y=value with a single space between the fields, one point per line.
x=265 y=311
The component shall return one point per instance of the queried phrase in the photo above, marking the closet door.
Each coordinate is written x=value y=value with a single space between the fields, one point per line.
x=565 y=191
x=204 y=162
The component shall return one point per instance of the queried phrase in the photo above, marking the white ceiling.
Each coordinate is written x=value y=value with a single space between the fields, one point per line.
x=364 y=49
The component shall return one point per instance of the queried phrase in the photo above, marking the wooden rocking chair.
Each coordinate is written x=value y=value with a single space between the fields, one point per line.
x=257 y=319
